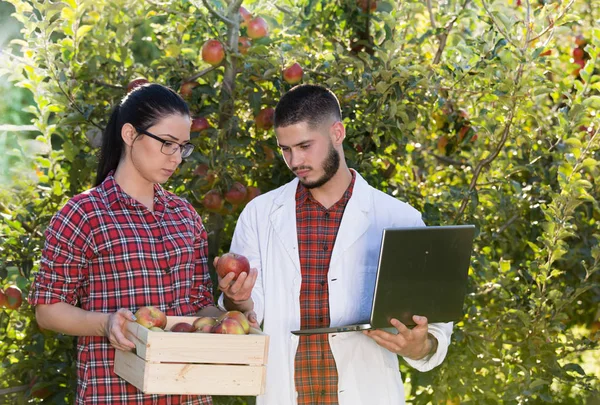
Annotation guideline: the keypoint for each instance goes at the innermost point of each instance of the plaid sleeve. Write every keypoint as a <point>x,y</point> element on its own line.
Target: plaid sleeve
<point>64,258</point>
<point>201,281</point>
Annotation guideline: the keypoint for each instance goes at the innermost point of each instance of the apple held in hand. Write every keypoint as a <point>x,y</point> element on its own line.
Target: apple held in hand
<point>151,316</point>
<point>204,324</point>
<point>232,263</point>
<point>14,297</point>
<point>183,327</point>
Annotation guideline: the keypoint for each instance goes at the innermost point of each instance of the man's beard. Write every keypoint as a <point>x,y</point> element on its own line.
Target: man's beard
<point>330,168</point>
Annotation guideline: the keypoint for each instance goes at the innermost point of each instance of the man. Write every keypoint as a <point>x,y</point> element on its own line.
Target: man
<point>314,245</point>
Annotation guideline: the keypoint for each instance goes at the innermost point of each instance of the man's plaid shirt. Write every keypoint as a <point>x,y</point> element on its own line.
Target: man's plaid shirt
<point>316,375</point>
<point>105,251</point>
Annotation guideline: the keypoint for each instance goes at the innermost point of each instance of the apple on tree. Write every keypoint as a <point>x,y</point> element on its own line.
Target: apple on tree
<point>150,316</point>
<point>243,45</point>
<point>2,299</point>
<point>213,201</point>
<point>264,119</point>
<point>14,297</point>
<point>245,16</point>
<point>257,28</point>
<point>236,194</point>
<point>199,124</point>
<point>136,83</point>
<point>213,52</point>
<point>251,193</point>
<point>293,74</point>
<point>232,263</point>
<point>186,89</point>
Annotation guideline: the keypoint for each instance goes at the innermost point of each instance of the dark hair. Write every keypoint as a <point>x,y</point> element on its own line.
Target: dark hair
<point>307,103</point>
<point>143,107</point>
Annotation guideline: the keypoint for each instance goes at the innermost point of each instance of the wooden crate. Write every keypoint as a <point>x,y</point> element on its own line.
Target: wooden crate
<point>194,363</point>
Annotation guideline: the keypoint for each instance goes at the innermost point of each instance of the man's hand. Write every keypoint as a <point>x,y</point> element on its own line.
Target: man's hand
<point>115,325</point>
<point>414,343</point>
<point>238,292</point>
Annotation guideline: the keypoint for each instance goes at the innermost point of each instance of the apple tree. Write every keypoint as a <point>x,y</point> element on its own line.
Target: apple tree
<point>473,111</point>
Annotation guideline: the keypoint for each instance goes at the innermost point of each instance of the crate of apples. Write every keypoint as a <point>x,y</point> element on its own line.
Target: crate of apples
<point>194,355</point>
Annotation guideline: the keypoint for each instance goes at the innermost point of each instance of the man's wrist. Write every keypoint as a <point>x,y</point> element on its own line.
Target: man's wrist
<point>433,344</point>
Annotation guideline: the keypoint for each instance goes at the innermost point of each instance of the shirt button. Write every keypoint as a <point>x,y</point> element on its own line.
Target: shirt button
<point>159,239</point>
<point>326,215</point>
<point>322,283</point>
<point>323,392</point>
<point>325,248</point>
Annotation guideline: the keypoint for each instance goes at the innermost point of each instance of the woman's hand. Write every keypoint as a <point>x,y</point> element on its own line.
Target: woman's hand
<point>115,325</point>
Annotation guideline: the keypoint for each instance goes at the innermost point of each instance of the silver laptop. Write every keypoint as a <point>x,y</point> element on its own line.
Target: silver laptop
<point>421,271</point>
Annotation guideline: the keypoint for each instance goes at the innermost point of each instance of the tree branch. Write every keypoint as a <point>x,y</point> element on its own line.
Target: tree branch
<point>431,16</point>
<point>444,36</point>
<point>495,24</point>
<point>200,74</point>
<point>552,25</point>
<point>13,390</point>
<point>217,14</point>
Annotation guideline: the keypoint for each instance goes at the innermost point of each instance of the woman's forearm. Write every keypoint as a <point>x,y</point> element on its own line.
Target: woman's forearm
<point>65,318</point>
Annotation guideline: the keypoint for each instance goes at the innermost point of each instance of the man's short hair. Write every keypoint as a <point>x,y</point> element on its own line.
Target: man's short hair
<point>307,103</point>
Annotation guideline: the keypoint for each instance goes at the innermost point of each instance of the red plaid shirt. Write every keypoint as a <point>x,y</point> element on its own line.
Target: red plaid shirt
<point>315,370</point>
<point>105,251</point>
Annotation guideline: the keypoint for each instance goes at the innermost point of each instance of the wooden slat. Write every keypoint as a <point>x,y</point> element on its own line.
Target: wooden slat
<point>131,368</point>
<point>190,379</point>
<point>198,347</point>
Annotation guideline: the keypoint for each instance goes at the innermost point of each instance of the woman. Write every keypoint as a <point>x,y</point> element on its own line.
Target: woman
<point>125,244</point>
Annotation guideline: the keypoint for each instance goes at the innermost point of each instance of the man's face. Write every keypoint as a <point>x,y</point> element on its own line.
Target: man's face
<point>309,153</point>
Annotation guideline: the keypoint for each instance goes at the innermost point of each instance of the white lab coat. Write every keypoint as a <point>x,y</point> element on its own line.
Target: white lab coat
<point>266,234</point>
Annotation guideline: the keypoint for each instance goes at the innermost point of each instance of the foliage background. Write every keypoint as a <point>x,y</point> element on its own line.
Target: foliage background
<point>469,110</point>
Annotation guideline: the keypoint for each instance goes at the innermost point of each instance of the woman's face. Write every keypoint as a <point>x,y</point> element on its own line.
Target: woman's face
<point>146,156</point>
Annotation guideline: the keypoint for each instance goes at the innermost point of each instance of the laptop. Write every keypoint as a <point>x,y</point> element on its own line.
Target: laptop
<point>421,271</point>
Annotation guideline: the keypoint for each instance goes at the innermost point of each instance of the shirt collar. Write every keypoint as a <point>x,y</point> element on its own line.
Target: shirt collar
<point>303,194</point>
<point>111,193</point>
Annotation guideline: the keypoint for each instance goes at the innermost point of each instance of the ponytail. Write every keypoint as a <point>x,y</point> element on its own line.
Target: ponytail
<point>112,147</point>
<point>143,107</point>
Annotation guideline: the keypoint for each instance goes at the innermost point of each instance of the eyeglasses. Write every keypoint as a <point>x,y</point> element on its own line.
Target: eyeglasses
<point>169,147</point>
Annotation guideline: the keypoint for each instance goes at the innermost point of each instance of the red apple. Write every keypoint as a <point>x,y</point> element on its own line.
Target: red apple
<point>240,317</point>
<point>229,326</point>
<point>182,327</point>
<point>293,74</point>
<point>232,263</point>
<point>577,53</point>
<point>365,5</point>
<point>14,297</point>
<point>464,130</point>
<point>136,83</point>
<point>150,316</point>
<point>244,44</point>
<point>257,28</point>
<point>213,52</point>
<point>441,144</point>
<point>245,16</point>
<point>236,194</point>
<point>39,390</point>
<point>199,124</point>
<point>264,119</point>
<point>201,170</point>
<point>2,299</point>
<point>156,329</point>
<point>213,201</point>
<point>186,89</point>
<point>252,193</point>
<point>204,324</point>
